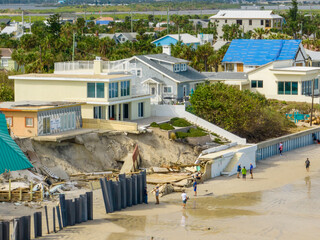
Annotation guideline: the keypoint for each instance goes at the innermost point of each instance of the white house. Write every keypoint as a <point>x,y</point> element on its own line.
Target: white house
<point>247,19</point>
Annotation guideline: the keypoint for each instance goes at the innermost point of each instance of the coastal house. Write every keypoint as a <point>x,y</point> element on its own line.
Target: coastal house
<point>166,78</point>
<point>38,118</point>
<point>104,21</point>
<point>200,23</point>
<point>244,55</point>
<point>105,89</point>
<point>314,58</point>
<point>185,38</point>
<point>7,62</point>
<point>247,19</point>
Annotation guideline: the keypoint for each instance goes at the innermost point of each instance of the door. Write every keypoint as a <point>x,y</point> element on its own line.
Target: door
<point>46,125</point>
<point>112,112</point>
<point>240,67</point>
<point>184,90</point>
<point>126,111</point>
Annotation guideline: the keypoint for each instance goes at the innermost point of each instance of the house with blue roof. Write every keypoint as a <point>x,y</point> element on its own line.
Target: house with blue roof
<point>245,55</point>
<point>172,39</point>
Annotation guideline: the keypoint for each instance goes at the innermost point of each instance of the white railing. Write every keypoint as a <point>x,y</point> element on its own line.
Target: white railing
<point>115,66</point>
<point>73,66</point>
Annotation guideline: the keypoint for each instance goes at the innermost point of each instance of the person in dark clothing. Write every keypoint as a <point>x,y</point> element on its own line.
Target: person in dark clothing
<point>238,170</point>
<point>145,195</point>
<point>307,162</point>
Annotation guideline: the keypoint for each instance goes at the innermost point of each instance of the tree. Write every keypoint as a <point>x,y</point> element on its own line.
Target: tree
<point>81,23</point>
<point>54,23</point>
<point>244,113</point>
<point>258,33</point>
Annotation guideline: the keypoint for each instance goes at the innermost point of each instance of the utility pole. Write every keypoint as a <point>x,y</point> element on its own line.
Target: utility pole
<point>311,115</point>
<point>73,46</point>
<point>168,20</point>
<point>131,22</point>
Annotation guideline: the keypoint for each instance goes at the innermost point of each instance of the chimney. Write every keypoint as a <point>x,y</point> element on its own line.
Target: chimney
<point>97,65</point>
<point>166,49</point>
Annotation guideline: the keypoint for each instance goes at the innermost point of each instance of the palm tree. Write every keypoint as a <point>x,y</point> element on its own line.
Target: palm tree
<point>258,33</point>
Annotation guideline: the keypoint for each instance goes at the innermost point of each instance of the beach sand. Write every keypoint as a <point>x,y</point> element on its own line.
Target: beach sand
<point>281,202</point>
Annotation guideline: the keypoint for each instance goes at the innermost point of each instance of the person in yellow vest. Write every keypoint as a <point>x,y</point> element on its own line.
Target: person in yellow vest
<point>244,173</point>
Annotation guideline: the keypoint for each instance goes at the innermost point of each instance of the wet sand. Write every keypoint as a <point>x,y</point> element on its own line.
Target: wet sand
<point>281,202</point>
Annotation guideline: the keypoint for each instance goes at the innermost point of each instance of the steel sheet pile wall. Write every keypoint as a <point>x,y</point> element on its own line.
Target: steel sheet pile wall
<point>124,193</point>
<point>290,142</point>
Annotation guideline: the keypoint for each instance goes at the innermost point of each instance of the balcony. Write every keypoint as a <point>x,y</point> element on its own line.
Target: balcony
<point>84,67</point>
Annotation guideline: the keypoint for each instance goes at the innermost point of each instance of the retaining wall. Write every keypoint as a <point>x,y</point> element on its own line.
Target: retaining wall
<point>110,125</point>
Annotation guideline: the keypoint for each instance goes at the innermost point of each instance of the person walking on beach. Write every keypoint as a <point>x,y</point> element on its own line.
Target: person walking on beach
<point>307,162</point>
<point>239,170</point>
<point>244,173</point>
<point>184,198</point>
<point>195,184</point>
<point>251,170</point>
<point>156,190</point>
<point>280,148</point>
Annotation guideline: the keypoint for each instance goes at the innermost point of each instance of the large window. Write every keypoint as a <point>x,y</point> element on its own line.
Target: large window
<point>99,112</point>
<point>268,23</point>
<point>46,125</point>
<point>288,88</point>
<point>307,87</point>
<point>4,62</point>
<point>125,88</point>
<point>256,84</point>
<point>167,89</point>
<point>183,67</point>
<point>250,22</point>
<point>262,23</point>
<point>95,90</point>
<point>140,109</point>
<point>113,90</point>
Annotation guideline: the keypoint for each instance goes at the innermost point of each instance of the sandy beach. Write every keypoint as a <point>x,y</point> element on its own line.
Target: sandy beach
<point>281,202</point>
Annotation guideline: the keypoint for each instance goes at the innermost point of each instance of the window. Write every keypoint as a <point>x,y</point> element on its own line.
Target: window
<point>29,122</point>
<point>153,91</point>
<point>99,112</point>
<point>140,109</point>
<point>167,89</point>
<point>46,125</point>
<point>230,67</point>
<point>113,90</point>
<point>307,87</point>
<point>95,90</point>
<point>261,22</point>
<point>253,83</point>
<point>288,88</point>
<point>9,121</point>
<point>139,73</point>
<point>250,22</point>
<point>4,62</point>
<point>177,67</point>
<point>225,21</point>
<point>183,67</point>
<point>268,23</point>
<point>239,22</point>
<point>125,88</point>
<point>260,84</point>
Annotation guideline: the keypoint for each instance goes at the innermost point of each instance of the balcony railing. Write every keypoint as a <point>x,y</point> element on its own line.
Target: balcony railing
<point>73,66</point>
<point>115,66</point>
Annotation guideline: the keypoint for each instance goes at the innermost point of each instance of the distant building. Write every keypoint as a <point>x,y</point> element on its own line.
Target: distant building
<point>205,38</point>
<point>247,19</point>
<point>185,38</point>
<point>314,57</point>
<point>244,55</point>
<point>7,62</point>
<point>104,20</point>
<point>203,23</point>
<point>37,118</point>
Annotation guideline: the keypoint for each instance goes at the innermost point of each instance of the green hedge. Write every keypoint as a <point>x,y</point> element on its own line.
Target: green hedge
<point>154,124</point>
<point>193,132</point>
<point>166,126</point>
<point>180,122</point>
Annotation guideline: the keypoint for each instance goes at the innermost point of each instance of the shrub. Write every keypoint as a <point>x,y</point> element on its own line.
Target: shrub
<point>193,132</point>
<point>166,126</point>
<point>179,122</point>
<point>181,134</point>
<point>173,136</point>
<point>154,124</point>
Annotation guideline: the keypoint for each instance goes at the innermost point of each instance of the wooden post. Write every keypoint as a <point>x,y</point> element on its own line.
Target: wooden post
<point>9,190</point>
<point>31,187</point>
<point>20,194</point>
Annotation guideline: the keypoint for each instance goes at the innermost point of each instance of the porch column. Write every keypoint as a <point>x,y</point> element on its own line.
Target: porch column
<point>117,112</point>
<point>121,114</point>
<point>107,112</point>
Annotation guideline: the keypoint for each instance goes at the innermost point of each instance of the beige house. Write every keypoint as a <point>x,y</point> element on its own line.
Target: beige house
<point>6,61</point>
<point>280,80</point>
<point>247,19</point>
<point>105,88</point>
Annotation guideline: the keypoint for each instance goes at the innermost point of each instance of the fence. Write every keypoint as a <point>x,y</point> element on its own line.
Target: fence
<point>73,66</point>
<point>290,142</point>
<point>72,212</point>
<point>124,193</point>
<point>110,125</point>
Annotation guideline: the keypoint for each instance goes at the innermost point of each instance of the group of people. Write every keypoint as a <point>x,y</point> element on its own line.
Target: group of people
<point>243,171</point>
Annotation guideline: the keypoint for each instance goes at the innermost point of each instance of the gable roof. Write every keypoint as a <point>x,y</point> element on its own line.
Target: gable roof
<point>184,37</point>
<point>166,58</point>
<point>245,14</point>
<point>257,52</point>
<point>226,75</point>
<point>314,55</point>
<point>191,75</point>
<point>11,156</point>
<point>5,52</point>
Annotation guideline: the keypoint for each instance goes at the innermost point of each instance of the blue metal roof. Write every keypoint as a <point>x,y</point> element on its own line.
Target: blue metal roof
<point>11,156</point>
<point>257,52</point>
